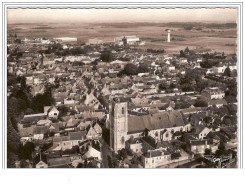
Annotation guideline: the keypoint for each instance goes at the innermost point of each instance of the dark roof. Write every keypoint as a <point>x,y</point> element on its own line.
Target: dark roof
<point>198,142</point>
<point>41,130</point>
<point>33,118</point>
<point>156,153</point>
<point>134,141</point>
<point>77,135</point>
<point>53,162</point>
<point>217,101</point>
<point>159,120</point>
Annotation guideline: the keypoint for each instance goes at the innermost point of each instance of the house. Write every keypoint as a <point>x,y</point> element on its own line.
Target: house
<point>40,132</point>
<point>72,124</point>
<point>202,132</point>
<point>217,102</point>
<point>53,112</point>
<point>92,153</point>
<point>41,164</point>
<point>198,146</point>
<point>33,118</point>
<point>156,158</point>
<point>219,69</point>
<point>61,162</point>
<point>135,145</point>
<point>94,131</point>
<point>213,93</point>
<point>56,128</point>
<point>67,142</point>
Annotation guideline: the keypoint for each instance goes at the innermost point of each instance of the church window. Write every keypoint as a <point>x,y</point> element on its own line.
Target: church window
<point>122,110</point>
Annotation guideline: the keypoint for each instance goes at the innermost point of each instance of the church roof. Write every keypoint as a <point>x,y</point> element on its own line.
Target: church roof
<point>155,121</point>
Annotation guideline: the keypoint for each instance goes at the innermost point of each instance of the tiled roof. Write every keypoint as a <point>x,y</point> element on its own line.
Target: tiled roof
<point>159,120</point>
<point>77,135</point>
<point>41,130</point>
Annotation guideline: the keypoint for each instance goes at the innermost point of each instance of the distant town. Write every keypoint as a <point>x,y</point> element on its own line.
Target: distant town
<point>119,104</point>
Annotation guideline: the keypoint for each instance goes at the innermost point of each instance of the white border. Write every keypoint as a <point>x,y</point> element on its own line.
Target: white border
<point>121,181</point>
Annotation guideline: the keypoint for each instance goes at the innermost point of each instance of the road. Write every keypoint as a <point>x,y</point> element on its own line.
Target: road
<point>105,151</point>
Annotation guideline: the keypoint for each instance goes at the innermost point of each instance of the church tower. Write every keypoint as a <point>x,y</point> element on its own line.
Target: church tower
<point>118,124</point>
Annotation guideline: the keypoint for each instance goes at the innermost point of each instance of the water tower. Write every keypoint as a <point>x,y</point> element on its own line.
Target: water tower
<point>169,31</point>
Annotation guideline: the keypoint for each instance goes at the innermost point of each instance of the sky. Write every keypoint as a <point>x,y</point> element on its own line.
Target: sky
<point>221,15</point>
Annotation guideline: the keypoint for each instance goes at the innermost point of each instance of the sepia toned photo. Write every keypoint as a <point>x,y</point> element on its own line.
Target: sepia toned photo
<point>122,87</point>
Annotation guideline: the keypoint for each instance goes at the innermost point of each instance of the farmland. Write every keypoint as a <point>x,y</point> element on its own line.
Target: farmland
<point>219,37</point>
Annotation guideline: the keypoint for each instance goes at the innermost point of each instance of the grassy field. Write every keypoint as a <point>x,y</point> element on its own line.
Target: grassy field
<point>155,34</point>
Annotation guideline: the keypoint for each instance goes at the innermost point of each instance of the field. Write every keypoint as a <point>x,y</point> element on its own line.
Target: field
<point>218,38</point>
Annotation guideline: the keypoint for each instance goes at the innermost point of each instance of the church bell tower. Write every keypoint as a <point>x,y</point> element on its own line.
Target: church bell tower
<point>118,124</point>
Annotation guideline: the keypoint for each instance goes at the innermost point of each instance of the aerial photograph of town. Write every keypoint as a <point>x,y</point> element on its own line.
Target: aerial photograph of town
<point>122,88</point>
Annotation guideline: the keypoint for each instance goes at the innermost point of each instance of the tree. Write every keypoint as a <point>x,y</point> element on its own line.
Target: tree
<point>182,54</point>
<point>207,119</point>
<point>129,69</point>
<point>227,121</point>
<point>143,68</point>
<point>206,64</point>
<point>187,50</point>
<point>26,150</point>
<point>227,72</point>
<point>182,105</point>
<point>234,73</point>
<point>232,109</point>
<point>122,153</point>
<point>146,133</point>
<point>109,161</point>
<point>175,155</point>
<point>41,100</point>
<point>189,27</point>
<point>106,56</point>
<point>201,103</point>
<point>80,165</point>
<point>207,151</point>
<point>13,140</point>
<point>172,85</point>
<point>163,86</point>
<point>29,111</point>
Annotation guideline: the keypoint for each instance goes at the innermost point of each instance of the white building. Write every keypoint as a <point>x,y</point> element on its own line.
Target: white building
<point>94,41</point>
<point>65,39</point>
<point>213,93</point>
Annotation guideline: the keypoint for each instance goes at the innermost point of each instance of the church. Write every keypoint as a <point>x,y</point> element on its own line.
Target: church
<point>161,126</point>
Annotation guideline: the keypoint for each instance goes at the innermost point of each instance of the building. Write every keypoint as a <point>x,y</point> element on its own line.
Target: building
<point>118,125</point>
<point>219,69</point>
<point>161,126</point>
<point>169,39</point>
<point>213,93</point>
<point>51,111</point>
<point>94,41</point>
<point>198,146</point>
<point>156,158</point>
<point>67,142</point>
<point>65,39</point>
<point>130,40</point>
<point>41,164</point>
